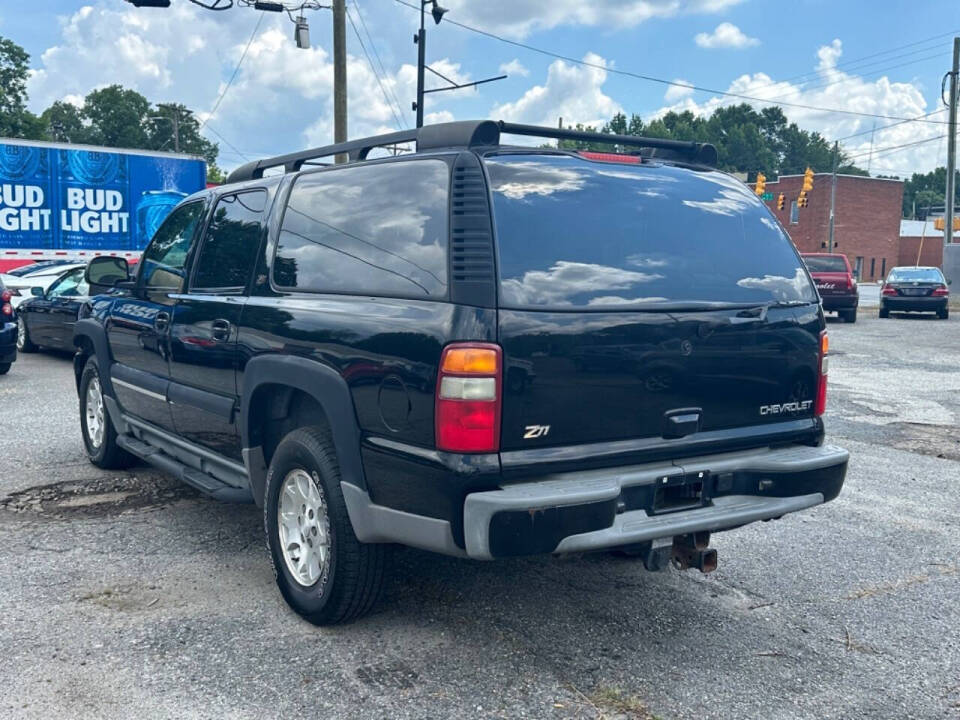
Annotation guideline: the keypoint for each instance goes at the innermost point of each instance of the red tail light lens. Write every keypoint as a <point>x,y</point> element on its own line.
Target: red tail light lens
<point>469,386</point>
<point>821,404</point>
<point>5,296</point>
<point>887,290</point>
<point>942,291</point>
<point>5,307</point>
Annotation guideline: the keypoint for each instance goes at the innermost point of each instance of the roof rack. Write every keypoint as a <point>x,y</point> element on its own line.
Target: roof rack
<point>472,134</point>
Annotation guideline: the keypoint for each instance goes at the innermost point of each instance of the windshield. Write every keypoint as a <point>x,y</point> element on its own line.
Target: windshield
<point>825,263</point>
<point>574,233</point>
<point>907,274</point>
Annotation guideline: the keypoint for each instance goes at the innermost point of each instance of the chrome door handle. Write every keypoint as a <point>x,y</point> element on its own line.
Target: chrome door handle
<point>162,321</point>
<point>221,330</point>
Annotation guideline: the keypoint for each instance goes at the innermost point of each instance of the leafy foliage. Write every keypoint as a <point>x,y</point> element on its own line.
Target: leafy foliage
<point>923,191</point>
<point>747,140</point>
<point>113,116</point>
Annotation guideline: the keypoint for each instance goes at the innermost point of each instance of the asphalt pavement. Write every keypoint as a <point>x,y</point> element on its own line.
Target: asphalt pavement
<point>128,595</point>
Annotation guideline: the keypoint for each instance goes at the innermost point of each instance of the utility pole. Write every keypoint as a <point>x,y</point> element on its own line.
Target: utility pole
<point>340,75</point>
<point>421,41</point>
<point>833,193</point>
<point>952,145</point>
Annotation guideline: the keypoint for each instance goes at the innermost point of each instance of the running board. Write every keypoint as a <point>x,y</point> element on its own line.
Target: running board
<point>207,484</point>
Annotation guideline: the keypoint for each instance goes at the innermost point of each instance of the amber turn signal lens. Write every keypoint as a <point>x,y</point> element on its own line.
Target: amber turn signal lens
<point>824,344</point>
<point>479,361</point>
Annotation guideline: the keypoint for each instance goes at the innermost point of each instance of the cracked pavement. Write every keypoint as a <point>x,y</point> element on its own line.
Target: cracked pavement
<point>127,594</point>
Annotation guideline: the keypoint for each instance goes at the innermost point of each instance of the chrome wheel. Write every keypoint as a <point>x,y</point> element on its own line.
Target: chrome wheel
<point>94,413</point>
<point>21,333</point>
<point>304,528</point>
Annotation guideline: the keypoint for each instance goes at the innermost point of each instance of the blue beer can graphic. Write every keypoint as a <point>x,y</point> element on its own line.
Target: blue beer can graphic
<point>152,210</point>
<point>94,212</point>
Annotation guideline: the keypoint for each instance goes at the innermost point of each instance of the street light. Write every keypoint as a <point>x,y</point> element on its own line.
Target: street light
<point>420,40</point>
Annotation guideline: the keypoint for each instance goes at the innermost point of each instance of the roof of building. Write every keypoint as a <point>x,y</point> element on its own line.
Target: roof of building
<point>915,228</point>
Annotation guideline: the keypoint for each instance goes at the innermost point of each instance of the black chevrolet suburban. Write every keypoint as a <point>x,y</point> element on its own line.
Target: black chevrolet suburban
<point>479,349</point>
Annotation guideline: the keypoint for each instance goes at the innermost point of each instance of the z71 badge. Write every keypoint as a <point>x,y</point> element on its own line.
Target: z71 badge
<point>535,431</point>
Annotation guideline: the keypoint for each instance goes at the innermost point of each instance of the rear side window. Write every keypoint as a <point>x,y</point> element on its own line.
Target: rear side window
<point>825,263</point>
<point>574,233</point>
<point>230,245</point>
<point>376,229</point>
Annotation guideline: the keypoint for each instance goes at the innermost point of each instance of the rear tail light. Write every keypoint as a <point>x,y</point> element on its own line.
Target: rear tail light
<point>887,290</point>
<point>942,291</point>
<point>821,404</point>
<point>850,283</point>
<point>5,307</point>
<point>469,387</point>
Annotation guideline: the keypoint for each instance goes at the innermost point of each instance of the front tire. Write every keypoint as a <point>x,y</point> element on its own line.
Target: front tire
<point>324,573</point>
<point>24,343</point>
<point>99,435</point>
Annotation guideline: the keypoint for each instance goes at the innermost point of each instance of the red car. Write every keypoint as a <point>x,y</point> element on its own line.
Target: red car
<point>835,283</point>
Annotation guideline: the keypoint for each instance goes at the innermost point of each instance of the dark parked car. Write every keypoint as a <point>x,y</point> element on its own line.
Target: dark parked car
<point>8,330</point>
<point>47,317</point>
<point>835,283</point>
<point>915,289</point>
<point>477,349</point>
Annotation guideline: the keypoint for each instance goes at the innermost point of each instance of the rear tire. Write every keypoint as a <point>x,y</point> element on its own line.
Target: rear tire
<point>850,316</point>
<point>24,343</point>
<point>943,314</point>
<point>884,313</point>
<point>324,573</point>
<point>5,368</point>
<point>99,435</point>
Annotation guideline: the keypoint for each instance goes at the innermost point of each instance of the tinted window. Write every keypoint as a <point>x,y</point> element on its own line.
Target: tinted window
<point>586,234</point>
<point>376,229</point>
<point>230,245</point>
<point>909,274</point>
<point>162,263</point>
<point>825,263</point>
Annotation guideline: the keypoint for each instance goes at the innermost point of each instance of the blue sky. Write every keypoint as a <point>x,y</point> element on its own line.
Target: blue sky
<point>872,57</point>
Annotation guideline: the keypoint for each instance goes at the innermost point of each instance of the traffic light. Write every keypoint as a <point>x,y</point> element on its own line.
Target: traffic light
<point>780,201</point>
<point>802,199</point>
<point>808,180</point>
<point>761,184</point>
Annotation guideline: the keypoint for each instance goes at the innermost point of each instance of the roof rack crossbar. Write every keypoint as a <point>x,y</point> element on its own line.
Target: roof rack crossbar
<point>697,152</point>
<point>291,162</point>
<point>469,134</point>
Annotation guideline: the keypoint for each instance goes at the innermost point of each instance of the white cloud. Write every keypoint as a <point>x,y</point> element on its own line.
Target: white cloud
<point>833,88</point>
<point>573,92</point>
<point>521,17</point>
<point>726,35</point>
<point>514,68</point>
<point>676,92</point>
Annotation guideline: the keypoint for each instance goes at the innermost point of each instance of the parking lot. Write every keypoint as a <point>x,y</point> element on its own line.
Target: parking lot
<point>128,594</point>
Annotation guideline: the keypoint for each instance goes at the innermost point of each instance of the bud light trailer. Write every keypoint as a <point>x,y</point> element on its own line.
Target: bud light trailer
<point>72,202</point>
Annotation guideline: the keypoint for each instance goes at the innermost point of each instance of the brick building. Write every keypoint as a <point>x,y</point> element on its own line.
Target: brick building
<point>867,223</point>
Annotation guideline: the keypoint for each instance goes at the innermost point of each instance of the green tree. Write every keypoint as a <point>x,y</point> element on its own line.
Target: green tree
<point>117,117</point>
<point>64,123</point>
<point>170,117</point>
<point>925,190</point>
<point>15,119</point>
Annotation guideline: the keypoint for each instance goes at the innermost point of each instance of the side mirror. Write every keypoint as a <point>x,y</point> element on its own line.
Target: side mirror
<point>36,291</point>
<point>106,271</point>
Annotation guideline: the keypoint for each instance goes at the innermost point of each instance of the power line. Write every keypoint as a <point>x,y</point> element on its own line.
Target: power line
<point>376,74</point>
<point>663,81</point>
<point>383,69</point>
<point>243,55</point>
<point>229,144</point>
<point>880,152</point>
<point>902,122</point>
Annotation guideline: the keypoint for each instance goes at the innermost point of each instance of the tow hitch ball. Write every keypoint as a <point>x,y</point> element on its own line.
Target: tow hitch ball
<point>692,551</point>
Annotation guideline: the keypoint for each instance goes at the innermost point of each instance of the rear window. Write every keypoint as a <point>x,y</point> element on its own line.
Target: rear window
<point>825,263</point>
<point>376,229</point>
<point>574,233</point>
<point>915,275</point>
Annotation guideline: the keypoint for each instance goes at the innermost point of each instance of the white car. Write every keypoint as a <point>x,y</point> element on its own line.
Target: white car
<point>42,274</point>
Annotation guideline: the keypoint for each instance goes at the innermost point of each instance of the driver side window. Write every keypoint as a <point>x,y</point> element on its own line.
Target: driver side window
<point>70,285</point>
<point>162,264</point>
